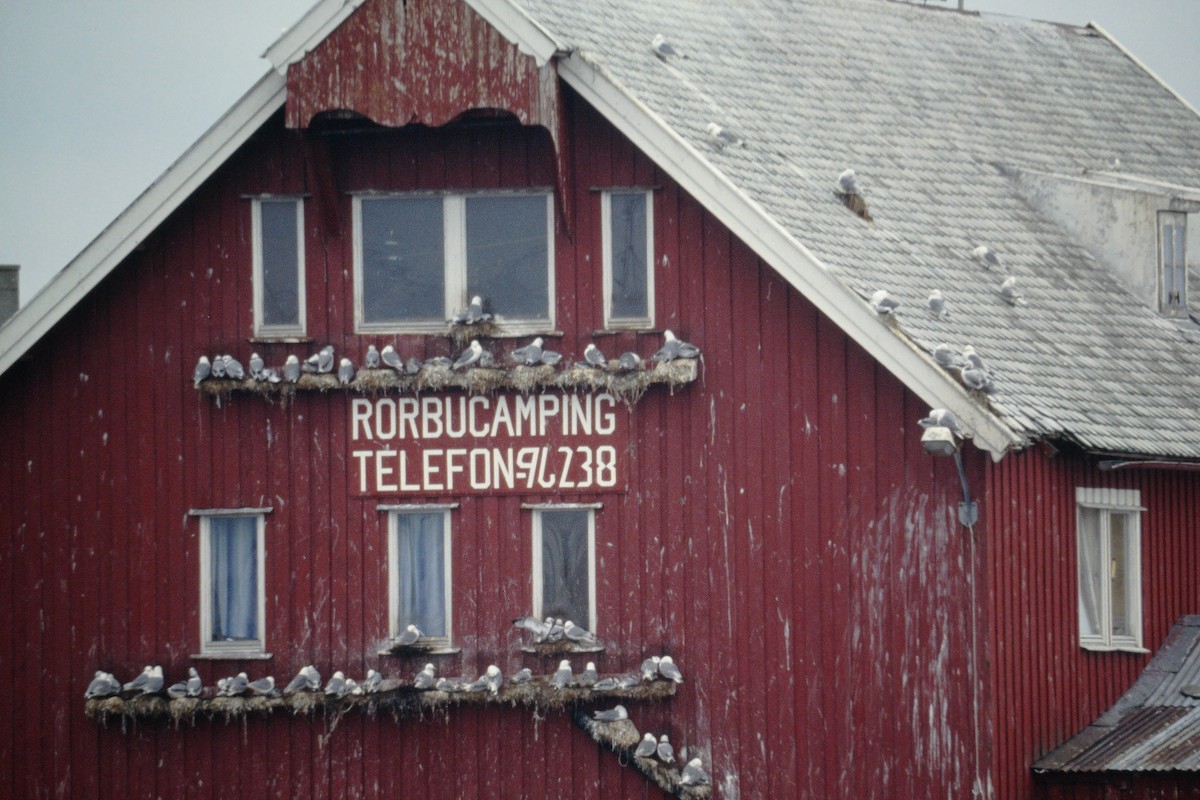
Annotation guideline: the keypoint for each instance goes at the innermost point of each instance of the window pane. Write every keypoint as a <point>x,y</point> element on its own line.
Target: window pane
<point>422,578</point>
<point>1119,575</point>
<point>234,547</point>
<point>1091,572</point>
<point>565,565</point>
<point>628,234</point>
<point>402,259</point>
<point>507,254</point>
<point>280,255</point>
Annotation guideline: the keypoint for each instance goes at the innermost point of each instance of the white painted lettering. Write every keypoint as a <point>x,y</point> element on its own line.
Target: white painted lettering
<point>477,474</point>
<point>382,471</point>
<point>479,429</point>
<point>461,416</point>
<point>385,418</point>
<point>431,417</point>
<point>362,456</point>
<point>451,467</point>
<point>408,417</point>
<point>606,421</point>
<point>360,414</point>
<point>430,469</point>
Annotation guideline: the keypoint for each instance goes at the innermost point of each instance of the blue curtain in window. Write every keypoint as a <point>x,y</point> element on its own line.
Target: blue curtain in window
<point>565,565</point>
<point>234,546</point>
<point>422,578</point>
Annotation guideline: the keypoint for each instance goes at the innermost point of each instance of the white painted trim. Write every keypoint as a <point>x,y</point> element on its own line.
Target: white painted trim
<point>277,331</point>
<point>537,575</point>
<point>394,512</point>
<point>516,25</point>
<point>140,219</point>
<point>242,648</point>
<point>308,32</point>
<point>637,323</point>
<point>1108,502</point>
<point>229,512</point>
<point>454,253</point>
<point>747,220</point>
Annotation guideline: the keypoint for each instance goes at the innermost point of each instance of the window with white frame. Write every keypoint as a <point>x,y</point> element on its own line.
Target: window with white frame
<point>278,224</point>
<point>1110,586</point>
<point>418,259</point>
<point>564,563</point>
<point>232,592</point>
<point>628,237</point>
<point>1172,261</point>
<point>419,571</point>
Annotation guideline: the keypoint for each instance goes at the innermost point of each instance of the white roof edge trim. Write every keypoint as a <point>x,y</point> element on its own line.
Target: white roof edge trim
<point>1112,40</point>
<point>515,24</point>
<point>140,219</point>
<point>308,31</point>
<point>775,245</point>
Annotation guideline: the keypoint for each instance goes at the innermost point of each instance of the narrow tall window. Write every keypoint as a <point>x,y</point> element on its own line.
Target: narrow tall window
<point>421,258</point>
<point>628,259</point>
<point>232,596</point>
<point>278,267</point>
<point>1110,604</point>
<point>1172,260</point>
<point>419,572</point>
<point>564,564</point>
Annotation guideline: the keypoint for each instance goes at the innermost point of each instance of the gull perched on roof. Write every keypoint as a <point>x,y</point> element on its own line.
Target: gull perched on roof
<point>947,357</point>
<point>883,304</point>
<point>723,137</point>
<point>937,304</point>
<point>986,256</point>
<point>978,379</point>
<point>847,182</point>
<point>1010,293</point>
<point>662,47</point>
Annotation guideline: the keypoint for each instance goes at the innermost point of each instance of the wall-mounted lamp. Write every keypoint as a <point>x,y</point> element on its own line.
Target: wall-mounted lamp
<point>940,441</point>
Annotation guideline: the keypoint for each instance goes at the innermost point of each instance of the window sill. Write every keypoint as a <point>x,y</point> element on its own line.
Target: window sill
<point>1112,648</point>
<point>421,650</point>
<point>559,648</point>
<point>266,338</point>
<point>232,655</point>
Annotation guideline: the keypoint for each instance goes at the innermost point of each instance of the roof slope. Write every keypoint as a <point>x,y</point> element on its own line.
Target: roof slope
<point>930,108</point>
<point>1154,726</point>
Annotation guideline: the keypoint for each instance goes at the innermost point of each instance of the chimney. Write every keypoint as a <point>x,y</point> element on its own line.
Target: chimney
<point>10,290</point>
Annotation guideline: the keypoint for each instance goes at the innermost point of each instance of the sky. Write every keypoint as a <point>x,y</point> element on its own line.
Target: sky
<point>99,97</point>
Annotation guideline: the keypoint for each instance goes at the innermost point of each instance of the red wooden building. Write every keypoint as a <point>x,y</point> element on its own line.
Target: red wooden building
<point>853,616</point>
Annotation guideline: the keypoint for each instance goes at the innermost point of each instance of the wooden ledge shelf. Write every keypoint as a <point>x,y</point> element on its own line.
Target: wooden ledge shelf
<point>628,386</point>
<point>622,738</point>
<point>401,700</point>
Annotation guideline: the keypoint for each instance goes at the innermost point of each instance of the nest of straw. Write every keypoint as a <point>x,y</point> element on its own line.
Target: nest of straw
<point>622,738</point>
<point>401,700</point>
<point>627,386</point>
<point>462,334</point>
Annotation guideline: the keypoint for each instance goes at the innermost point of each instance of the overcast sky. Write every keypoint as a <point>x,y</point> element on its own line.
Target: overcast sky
<point>99,97</point>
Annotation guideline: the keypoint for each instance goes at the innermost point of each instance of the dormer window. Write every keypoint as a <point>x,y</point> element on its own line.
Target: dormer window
<point>1172,262</point>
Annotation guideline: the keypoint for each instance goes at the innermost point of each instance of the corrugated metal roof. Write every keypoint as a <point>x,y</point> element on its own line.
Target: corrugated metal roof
<point>1155,726</point>
<point>936,112</point>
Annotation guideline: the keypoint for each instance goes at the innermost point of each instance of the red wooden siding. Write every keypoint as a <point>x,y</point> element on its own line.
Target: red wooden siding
<point>1046,688</point>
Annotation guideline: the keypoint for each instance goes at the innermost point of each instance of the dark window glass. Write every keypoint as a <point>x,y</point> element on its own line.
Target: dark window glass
<point>628,237</point>
<point>565,565</point>
<point>403,275</point>
<point>280,259</point>
<point>507,254</point>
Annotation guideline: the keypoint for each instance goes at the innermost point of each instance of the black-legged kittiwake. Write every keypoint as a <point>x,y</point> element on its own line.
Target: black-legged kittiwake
<point>371,361</point>
<point>667,668</point>
<point>470,356</point>
<point>937,304</point>
<point>202,371</point>
<point>562,676</point>
<point>614,714</point>
<point>941,418</point>
<point>883,303</point>
<point>426,678</point>
<point>528,355</point>
<point>647,747</point>
<point>847,182</point>
<point>665,752</point>
<point>693,774</point>
<point>986,256</point>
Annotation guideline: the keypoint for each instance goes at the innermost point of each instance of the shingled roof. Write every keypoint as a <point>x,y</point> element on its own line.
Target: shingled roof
<point>935,111</point>
<point>1155,726</point>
